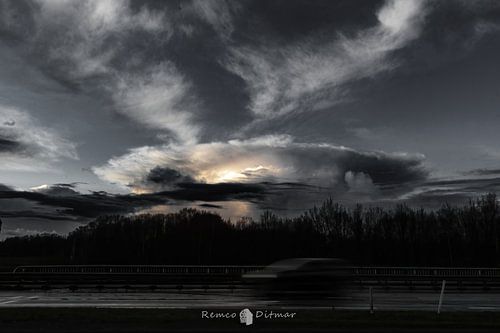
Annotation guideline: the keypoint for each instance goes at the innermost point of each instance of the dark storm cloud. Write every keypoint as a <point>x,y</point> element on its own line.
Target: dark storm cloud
<point>25,144</point>
<point>38,215</point>
<point>73,204</point>
<point>4,188</point>
<point>9,138</point>
<point>67,204</point>
<point>210,206</point>
<point>216,192</point>
<point>70,185</point>
<point>81,208</point>
<point>166,176</point>
<point>10,146</point>
<point>383,169</point>
<point>60,205</point>
<point>54,203</point>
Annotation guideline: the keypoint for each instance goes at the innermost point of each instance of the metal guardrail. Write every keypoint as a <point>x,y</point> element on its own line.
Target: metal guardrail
<point>367,272</point>
<point>137,269</point>
<point>427,272</point>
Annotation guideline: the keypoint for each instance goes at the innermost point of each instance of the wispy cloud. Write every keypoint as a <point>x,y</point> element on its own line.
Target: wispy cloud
<point>219,14</point>
<point>158,98</point>
<point>434,193</point>
<point>312,73</point>
<point>94,32</point>
<point>26,145</point>
<point>88,45</point>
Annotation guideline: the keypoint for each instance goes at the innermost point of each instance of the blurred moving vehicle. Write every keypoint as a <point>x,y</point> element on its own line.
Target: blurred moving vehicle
<point>309,277</point>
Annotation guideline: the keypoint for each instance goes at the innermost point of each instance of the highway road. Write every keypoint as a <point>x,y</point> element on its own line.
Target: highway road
<point>196,299</point>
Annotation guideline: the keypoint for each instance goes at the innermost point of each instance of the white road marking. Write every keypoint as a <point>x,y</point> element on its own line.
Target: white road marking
<point>12,299</point>
<point>354,308</point>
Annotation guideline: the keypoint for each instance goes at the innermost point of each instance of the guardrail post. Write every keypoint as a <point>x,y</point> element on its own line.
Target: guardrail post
<point>371,300</point>
<point>441,297</point>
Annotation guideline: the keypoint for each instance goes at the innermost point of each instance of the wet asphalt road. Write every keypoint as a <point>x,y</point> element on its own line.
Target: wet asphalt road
<point>195,299</point>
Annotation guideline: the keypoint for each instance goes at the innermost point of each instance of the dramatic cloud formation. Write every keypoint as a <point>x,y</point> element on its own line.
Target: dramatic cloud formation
<point>273,159</point>
<point>130,106</point>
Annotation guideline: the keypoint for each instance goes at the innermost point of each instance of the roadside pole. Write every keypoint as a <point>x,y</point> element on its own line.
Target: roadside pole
<point>441,297</point>
<point>371,300</point>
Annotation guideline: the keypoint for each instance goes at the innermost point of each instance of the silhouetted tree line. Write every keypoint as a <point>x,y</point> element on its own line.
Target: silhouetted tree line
<point>449,236</point>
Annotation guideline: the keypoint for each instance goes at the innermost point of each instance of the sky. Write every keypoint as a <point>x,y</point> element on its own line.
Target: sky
<point>237,107</point>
